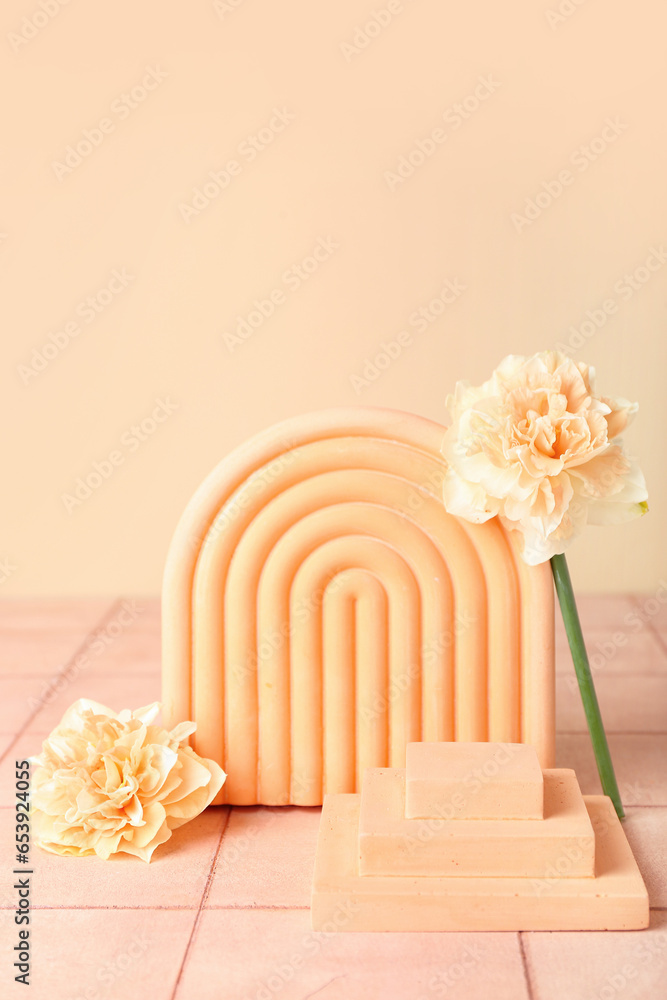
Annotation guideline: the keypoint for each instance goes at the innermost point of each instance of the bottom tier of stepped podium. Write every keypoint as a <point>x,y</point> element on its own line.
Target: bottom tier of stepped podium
<point>366,880</point>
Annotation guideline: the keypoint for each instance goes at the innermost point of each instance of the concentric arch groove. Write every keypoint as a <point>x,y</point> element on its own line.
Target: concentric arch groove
<point>397,454</point>
<point>365,695</point>
<point>341,717</point>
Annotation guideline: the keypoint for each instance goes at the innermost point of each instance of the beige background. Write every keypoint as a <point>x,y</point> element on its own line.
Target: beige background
<point>350,106</point>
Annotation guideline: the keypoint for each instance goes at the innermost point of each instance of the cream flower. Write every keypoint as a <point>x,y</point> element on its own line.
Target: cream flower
<point>110,782</point>
<point>535,446</point>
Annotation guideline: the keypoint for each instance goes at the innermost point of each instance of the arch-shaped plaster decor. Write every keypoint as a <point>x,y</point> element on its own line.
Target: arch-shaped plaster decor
<point>321,609</point>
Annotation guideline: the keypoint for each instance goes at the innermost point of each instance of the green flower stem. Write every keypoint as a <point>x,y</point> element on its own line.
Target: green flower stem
<point>582,668</point>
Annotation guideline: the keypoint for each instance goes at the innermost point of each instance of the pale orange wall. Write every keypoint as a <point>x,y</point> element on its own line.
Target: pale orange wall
<point>502,97</point>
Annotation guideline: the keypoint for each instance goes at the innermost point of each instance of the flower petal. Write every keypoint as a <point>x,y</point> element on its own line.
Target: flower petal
<point>468,500</point>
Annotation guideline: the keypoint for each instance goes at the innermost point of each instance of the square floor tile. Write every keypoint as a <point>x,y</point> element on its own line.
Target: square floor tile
<point>103,954</point>
<point>274,953</point>
<point>639,763</point>
<point>25,746</point>
<point>601,611</point>
<point>47,614</point>
<point>148,620</point>
<point>44,653</point>
<point>116,691</point>
<point>19,698</point>
<point>646,830</point>
<point>135,651</point>
<point>267,857</point>
<point>628,965</point>
<point>627,704</point>
<point>617,652</point>
<point>651,607</point>
<point>176,877</point>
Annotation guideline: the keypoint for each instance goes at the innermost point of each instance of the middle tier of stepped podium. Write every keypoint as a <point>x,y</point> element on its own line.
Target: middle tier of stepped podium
<point>390,844</point>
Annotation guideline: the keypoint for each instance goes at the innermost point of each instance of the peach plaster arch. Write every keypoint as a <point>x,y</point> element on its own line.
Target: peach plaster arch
<point>317,546</point>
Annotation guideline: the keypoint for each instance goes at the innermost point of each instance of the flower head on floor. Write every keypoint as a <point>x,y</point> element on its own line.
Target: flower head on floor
<point>107,782</point>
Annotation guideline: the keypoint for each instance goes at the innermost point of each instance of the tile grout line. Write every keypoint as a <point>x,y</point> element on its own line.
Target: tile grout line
<point>637,805</point>
<point>98,673</point>
<point>658,636</point>
<point>613,732</point>
<point>184,908</point>
<point>526,968</point>
<point>175,906</point>
<point>202,901</point>
<point>624,675</point>
<point>53,678</point>
<point>109,908</point>
<point>260,906</point>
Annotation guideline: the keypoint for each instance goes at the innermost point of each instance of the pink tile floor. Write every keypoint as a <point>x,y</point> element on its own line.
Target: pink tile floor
<point>222,911</point>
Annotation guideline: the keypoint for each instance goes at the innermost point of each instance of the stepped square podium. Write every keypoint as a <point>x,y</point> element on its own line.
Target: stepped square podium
<point>473,836</point>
